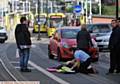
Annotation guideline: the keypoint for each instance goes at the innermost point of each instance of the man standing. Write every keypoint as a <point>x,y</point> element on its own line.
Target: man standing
<point>114,45</point>
<point>84,39</point>
<point>23,41</point>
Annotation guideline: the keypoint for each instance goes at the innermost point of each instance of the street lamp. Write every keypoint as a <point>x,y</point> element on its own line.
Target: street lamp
<point>39,20</point>
<point>117,9</point>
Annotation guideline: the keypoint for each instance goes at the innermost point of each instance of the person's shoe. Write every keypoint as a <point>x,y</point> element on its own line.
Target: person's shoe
<point>22,70</point>
<point>25,70</point>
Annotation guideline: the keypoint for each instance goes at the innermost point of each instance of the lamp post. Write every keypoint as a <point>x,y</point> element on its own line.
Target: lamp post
<point>47,7</point>
<point>117,9</point>
<point>39,37</point>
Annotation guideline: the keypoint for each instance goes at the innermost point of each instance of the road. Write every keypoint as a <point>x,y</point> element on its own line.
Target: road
<point>39,61</point>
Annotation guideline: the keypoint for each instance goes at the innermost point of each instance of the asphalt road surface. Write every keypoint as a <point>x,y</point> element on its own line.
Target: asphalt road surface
<point>39,61</point>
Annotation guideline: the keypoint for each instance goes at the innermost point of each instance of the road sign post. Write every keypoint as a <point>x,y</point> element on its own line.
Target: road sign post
<point>39,20</point>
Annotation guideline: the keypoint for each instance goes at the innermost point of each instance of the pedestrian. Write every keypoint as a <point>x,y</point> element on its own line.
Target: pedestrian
<point>81,62</point>
<point>114,46</point>
<point>84,41</point>
<point>23,41</point>
<point>77,22</point>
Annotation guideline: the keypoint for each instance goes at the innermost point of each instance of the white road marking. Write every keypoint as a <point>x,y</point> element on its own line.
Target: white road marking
<point>52,76</point>
<point>8,71</point>
<point>14,62</point>
<point>17,67</point>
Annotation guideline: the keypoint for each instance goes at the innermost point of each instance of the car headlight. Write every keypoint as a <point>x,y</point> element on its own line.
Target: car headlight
<point>106,40</point>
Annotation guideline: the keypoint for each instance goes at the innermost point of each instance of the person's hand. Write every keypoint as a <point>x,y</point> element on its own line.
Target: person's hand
<point>71,68</point>
<point>68,62</point>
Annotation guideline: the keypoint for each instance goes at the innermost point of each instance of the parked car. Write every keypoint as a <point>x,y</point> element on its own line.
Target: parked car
<point>63,44</point>
<point>3,34</point>
<point>103,41</point>
<point>99,29</point>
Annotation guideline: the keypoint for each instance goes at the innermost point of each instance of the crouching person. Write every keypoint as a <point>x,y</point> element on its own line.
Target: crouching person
<point>81,62</point>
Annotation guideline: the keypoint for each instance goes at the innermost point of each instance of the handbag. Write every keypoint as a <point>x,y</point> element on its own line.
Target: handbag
<point>17,53</point>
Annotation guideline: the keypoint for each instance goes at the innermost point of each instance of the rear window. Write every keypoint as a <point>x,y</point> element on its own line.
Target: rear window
<point>69,33</point>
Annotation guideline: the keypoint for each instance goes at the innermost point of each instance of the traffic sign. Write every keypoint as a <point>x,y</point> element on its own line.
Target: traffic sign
<point>77,8</point>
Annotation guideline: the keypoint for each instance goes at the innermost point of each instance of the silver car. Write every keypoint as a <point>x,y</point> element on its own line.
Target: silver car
<point>103,41</point>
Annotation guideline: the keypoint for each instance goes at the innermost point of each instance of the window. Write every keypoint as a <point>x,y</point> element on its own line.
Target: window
<point>69,33</point>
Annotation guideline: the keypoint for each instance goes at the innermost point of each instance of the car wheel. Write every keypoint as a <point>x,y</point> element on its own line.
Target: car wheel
<point>49,53</point>
<point>59,55</point>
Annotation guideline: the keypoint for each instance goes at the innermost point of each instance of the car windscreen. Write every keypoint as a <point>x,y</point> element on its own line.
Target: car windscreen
<point>69,33</point>
<point>99,28</point>
<point>42,20</point>
<point>56,22</point>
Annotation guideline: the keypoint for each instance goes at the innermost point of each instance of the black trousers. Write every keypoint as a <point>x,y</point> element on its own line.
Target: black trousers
<point>84,66</point>
<point>114,60</point>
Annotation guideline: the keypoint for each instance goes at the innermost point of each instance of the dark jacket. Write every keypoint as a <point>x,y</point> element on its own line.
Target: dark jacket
<point>22,35</point>
<point>114,41</point>
<point>83,40</point>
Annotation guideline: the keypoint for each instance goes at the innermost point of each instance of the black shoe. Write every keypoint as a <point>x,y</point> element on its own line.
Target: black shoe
<point>25,70</point>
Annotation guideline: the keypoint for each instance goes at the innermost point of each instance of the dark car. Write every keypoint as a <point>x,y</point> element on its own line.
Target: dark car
<point>3,34</point>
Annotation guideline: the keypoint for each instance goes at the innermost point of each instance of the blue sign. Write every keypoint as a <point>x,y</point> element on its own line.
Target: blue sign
<point>77,8</point>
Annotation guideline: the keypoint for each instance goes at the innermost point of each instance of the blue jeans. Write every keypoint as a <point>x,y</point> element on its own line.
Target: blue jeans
<point>24,57</point>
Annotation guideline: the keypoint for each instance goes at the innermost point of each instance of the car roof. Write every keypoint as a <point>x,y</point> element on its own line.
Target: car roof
<point>69,27</point>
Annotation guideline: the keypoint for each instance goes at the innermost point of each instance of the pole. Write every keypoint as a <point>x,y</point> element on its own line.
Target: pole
<point>41,6</point>
<point>2,13</point>
<point>29,7</point>
<point>36,6</point>
<point>90,14</point>
<point>86,10</point>
<point>38,20</point>
<point>47,12</point>
<point>117,9</point>
<point>100,13</point>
